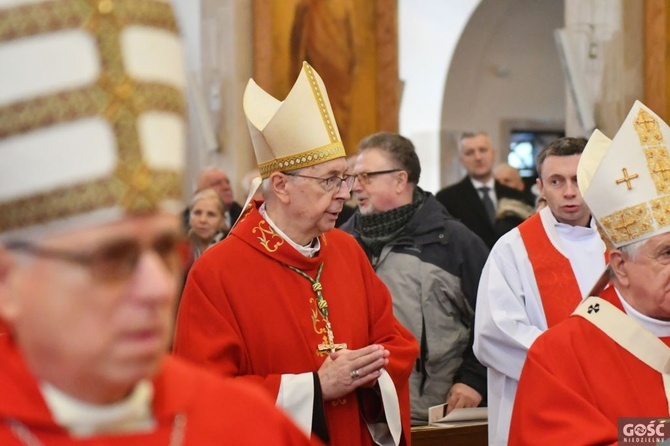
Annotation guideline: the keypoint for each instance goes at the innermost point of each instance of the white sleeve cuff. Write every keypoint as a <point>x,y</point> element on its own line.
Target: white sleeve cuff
<point>296,398</point>
<point>388,433</point>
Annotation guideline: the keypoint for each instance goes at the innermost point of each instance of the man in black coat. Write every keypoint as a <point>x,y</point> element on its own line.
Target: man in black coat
<point>484,205</point>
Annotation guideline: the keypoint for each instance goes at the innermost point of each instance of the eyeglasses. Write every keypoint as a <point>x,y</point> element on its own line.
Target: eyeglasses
<point>110,262</point>
<point>330,184</point>
<point>365,177</point>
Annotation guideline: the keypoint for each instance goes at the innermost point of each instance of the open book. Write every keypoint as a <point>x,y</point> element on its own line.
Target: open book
<point>475,415</point>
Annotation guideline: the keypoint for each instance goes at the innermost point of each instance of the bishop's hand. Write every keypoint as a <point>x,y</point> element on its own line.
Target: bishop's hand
<point>346,370</point>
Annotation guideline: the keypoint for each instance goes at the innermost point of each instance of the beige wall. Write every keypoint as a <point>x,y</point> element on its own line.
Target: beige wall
<point>505,69</point>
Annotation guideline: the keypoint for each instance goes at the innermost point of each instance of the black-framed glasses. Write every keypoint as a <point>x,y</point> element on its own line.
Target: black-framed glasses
<point>365,177</point>
<point>113,261</point>
<point>329,184</point>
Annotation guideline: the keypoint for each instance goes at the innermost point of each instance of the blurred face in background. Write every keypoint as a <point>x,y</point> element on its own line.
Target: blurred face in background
<point>206,218</point>
<point>477,156</point>
<point>96,327</point>
<point>509,176</point>
<point>218,180</point>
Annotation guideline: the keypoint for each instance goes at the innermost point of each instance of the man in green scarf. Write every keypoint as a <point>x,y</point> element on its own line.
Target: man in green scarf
<point>430,262</point>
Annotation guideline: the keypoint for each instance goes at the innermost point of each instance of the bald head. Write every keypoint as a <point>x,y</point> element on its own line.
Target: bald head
<point>217,179</point>
<point>509,176</point>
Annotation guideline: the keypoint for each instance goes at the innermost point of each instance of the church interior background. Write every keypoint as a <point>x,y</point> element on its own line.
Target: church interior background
<point>429,70</point>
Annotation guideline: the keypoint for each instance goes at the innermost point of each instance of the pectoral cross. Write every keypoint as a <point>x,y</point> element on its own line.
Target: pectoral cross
<point>330,346</point>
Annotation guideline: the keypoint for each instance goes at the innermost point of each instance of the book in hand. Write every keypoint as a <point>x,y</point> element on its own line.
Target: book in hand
<point>475,415</point>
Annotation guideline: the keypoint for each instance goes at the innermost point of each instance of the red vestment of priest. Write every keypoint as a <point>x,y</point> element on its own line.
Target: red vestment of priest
<point>189,405</point>
<point>245,314</point>
<point>577,382</point>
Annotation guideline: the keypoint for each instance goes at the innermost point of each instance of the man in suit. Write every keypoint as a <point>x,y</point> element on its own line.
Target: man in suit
<point>485,206</point>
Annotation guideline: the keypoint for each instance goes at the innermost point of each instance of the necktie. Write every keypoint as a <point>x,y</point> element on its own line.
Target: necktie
<point>488,203</point>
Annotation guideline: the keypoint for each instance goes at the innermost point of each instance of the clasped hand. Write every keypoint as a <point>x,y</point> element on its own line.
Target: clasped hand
<point>346,370</point>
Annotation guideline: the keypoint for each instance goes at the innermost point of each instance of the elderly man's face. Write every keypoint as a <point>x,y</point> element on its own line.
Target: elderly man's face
<point>645,279</point>
<point>219,181</point>
<point>508,176</point>
<point>477,156</point>
<point>86,332</point>
<point>314,210</point>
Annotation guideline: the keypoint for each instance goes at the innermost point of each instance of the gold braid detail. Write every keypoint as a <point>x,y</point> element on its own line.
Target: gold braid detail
<point>114,96</point>
<point>42,18</point>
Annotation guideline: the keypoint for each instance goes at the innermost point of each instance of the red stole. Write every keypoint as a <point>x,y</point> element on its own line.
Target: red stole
<point>555,279</point>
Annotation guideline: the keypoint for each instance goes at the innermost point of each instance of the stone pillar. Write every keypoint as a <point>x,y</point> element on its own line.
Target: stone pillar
<point>608,38</point>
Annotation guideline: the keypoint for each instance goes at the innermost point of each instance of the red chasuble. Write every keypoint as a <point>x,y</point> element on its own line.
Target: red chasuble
<point>201,408</point>
<point>577,382</point>
<point>245,314</point>
<point>555,279</point>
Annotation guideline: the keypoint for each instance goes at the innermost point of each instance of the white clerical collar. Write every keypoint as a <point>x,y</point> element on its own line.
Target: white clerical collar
<point>478,184</point>
<point>658,327</point>
<point>573,232</point>
<point>81,419</point>
<point>307,251</point>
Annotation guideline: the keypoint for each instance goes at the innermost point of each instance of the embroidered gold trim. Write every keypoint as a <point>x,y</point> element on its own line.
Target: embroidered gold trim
<point>316,319</point>
<point>245,212</point>
<point>647,129</point>
<point>658,162</point>
<point>78,104</point>
<point>655,150</point>
<point>629,224</point>
<point>323,107</point>
<point>64,202</point>
<point>304,159</point>
<point>114,96</point>
<point>660,208</point>
<point>42,18</point>
<point>269,239</point>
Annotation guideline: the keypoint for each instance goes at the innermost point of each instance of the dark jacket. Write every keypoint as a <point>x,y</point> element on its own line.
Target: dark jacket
<point>432,270</point>
<point>463,201</point>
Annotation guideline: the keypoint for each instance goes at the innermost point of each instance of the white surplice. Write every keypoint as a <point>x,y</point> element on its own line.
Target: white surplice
<point>509,314</point>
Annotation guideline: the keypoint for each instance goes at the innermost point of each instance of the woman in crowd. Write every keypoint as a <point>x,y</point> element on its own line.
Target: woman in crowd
<point>206,221</point>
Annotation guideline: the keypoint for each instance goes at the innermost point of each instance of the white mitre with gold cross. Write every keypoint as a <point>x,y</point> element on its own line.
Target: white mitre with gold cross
<point>626,182</point>
<point>91,112</point>
<point>299,131</point>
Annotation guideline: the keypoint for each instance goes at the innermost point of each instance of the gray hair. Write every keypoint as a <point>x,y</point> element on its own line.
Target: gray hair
<point>632,251</point>
<point>207,193</point>
<point>468,135</point>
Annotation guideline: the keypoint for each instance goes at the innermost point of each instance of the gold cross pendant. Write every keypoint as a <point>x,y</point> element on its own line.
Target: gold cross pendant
<point>330,346</point>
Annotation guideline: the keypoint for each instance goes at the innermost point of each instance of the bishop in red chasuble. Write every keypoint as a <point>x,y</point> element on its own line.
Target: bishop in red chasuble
<point>288,302</point>
<point>609,361</point>
<point>245,313</point>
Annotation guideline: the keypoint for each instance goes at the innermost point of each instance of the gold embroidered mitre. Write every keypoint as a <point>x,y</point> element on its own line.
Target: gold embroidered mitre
<point>626,181</point>
<point>91,112</point>
<point>298,132</point>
